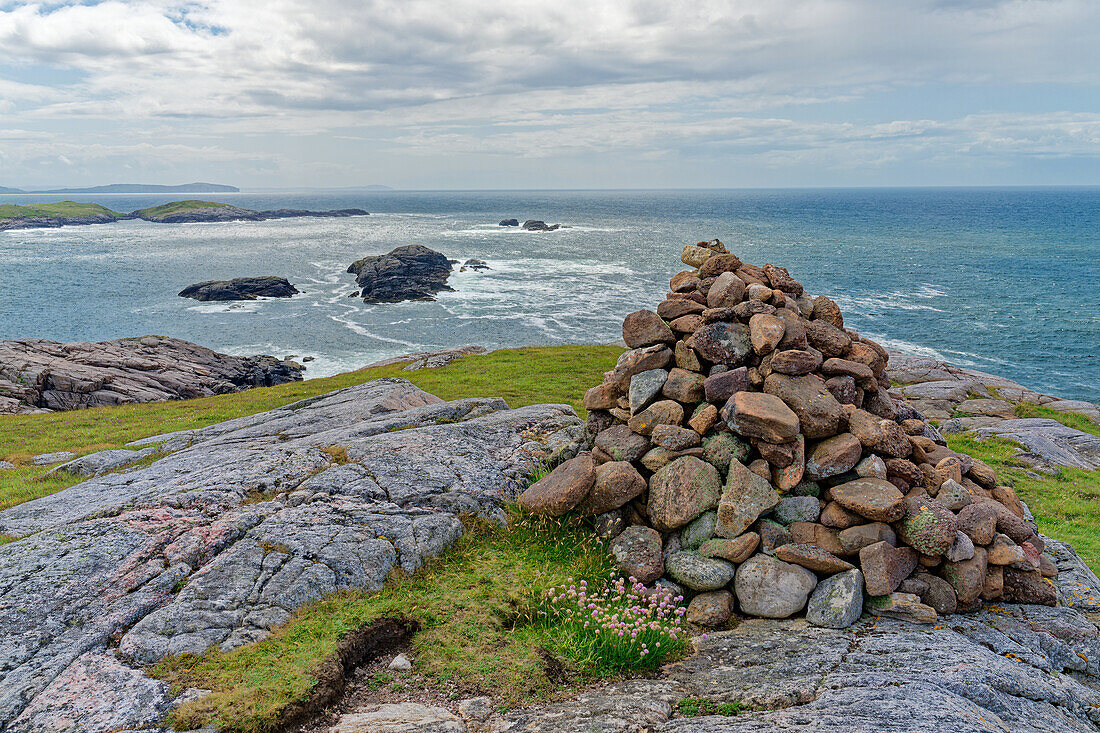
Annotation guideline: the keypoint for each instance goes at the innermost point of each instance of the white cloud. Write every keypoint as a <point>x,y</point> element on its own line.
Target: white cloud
<point>652,78</point>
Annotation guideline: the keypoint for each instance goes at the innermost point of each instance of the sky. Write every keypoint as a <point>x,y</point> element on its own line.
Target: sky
<point>515,94</point>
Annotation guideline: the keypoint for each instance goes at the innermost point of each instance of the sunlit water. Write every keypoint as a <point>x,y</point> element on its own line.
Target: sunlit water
<point>1002,280</point>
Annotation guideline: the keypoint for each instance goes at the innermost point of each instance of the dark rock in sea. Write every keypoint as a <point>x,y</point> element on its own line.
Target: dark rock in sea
<point>509,223</point>
<point>37,375</point>
<point>475,265</point>
<point>240,288</point>
<point>353,294</point>
<point>534,225</point>
<point>299,213</point>
<point>234,213</point>
<point>412,272</point>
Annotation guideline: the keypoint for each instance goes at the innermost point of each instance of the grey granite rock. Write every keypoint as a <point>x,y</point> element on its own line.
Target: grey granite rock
<point>1016,669</point>
<point>37,375</point>
<point>49,459</point>
<point>1049,441</point>
<point>7,466</point>
<point>837,601</point>
<point>94,464</point>
<point>244,522</point>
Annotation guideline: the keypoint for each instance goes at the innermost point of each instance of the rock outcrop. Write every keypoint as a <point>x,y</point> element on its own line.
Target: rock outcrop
<point>53,222</point>
<point>241,288</point>
<point>169,214</point>
<point>412,272</point>
<point>236,527</point>
<point>760,424</point>
<point>38,375</point>
<point>537,225</point>
<point>235,213</point>
<point>1013,669</point>
<point>967,399</point>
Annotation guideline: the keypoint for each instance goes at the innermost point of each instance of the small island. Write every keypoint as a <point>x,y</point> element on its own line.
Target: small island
<point>70,213</point>
<point>241,288</point>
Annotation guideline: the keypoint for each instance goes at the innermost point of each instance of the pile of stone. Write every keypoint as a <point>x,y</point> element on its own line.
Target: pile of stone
<point>747,453</point>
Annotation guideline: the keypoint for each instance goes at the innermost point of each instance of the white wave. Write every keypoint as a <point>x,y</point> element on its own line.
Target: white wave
<point>359,329</point>
<point>236,306</point>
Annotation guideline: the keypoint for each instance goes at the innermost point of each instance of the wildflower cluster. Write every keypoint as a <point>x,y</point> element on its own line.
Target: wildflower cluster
<point>621,626</point>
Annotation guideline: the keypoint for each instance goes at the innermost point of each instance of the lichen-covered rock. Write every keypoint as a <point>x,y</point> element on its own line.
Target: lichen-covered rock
<point>712,608</point>
<point>928,526</point>
<point>878,500</point>
<point>681,491</point>
<point>744,498</point>
<point>214,544</point>
<point>638,553</point>
<point>837,601</point>
<point>772,588</point>
<point>697,572</point>
<point>561,489</point>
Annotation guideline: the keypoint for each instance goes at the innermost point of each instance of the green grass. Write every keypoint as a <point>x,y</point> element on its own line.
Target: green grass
<point>59,208</point>
<point>481,630</point>
<point>1066,505</point>
<point>521,376</point>
<point>692,707</point>
<point>1070,419</point>
<point>175,207</point>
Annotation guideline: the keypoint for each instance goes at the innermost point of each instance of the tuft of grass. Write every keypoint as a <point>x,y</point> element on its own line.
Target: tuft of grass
<point>1066,505</point>
<point>1070,419</point>
<point>6,538</point>
<point>693,707</point>
<point>478,607</point>
<point>338,453</point>
<point>524,376</point>
<point>58,208</point>
<point>615,625</point>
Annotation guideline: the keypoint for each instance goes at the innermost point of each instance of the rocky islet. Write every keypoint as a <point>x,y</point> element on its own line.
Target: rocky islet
<point>240,288</point>
<point>744,398</point>
<point>411,272</point>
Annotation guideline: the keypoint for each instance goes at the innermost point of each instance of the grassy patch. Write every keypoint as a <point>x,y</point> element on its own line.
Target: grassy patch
<point>1066,505</point>
<point>478,607</point>
<point>1070,419</point>
<point>521,376</point>
<point>692,707</point>
<point>59,208</point>
<point>176,207</point>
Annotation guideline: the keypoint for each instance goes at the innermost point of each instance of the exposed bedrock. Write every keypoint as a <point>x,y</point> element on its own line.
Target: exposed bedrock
<point>38,375</point>
<point>1012,669</point>
<point>239,525</point>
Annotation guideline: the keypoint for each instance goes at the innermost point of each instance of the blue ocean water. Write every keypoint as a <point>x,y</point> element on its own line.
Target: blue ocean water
<point>1004,280</point>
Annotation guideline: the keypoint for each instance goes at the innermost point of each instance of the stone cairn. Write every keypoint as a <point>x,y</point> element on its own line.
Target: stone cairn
<point>746,450</point>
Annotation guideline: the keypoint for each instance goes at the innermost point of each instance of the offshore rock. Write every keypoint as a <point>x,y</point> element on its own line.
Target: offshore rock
<point>37,375</point>
<point>412,272</point>
<point>239,525</point>
<point>241,288</point>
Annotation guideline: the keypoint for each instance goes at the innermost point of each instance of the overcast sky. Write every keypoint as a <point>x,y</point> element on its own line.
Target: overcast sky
<point>551,94</point>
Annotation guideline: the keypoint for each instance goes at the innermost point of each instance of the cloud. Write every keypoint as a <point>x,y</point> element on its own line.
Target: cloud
<point>787,81</point>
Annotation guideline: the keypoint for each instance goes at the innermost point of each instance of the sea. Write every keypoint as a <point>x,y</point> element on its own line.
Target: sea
<point>1006,280</point>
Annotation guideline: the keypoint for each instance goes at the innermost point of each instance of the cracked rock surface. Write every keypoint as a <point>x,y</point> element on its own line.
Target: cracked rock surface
<point>1007,668</point>
<point>238,525</point>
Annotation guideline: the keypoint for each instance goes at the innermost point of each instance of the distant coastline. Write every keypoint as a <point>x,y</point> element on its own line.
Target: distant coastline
<point>73,213</point>
<point>197,187</point>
